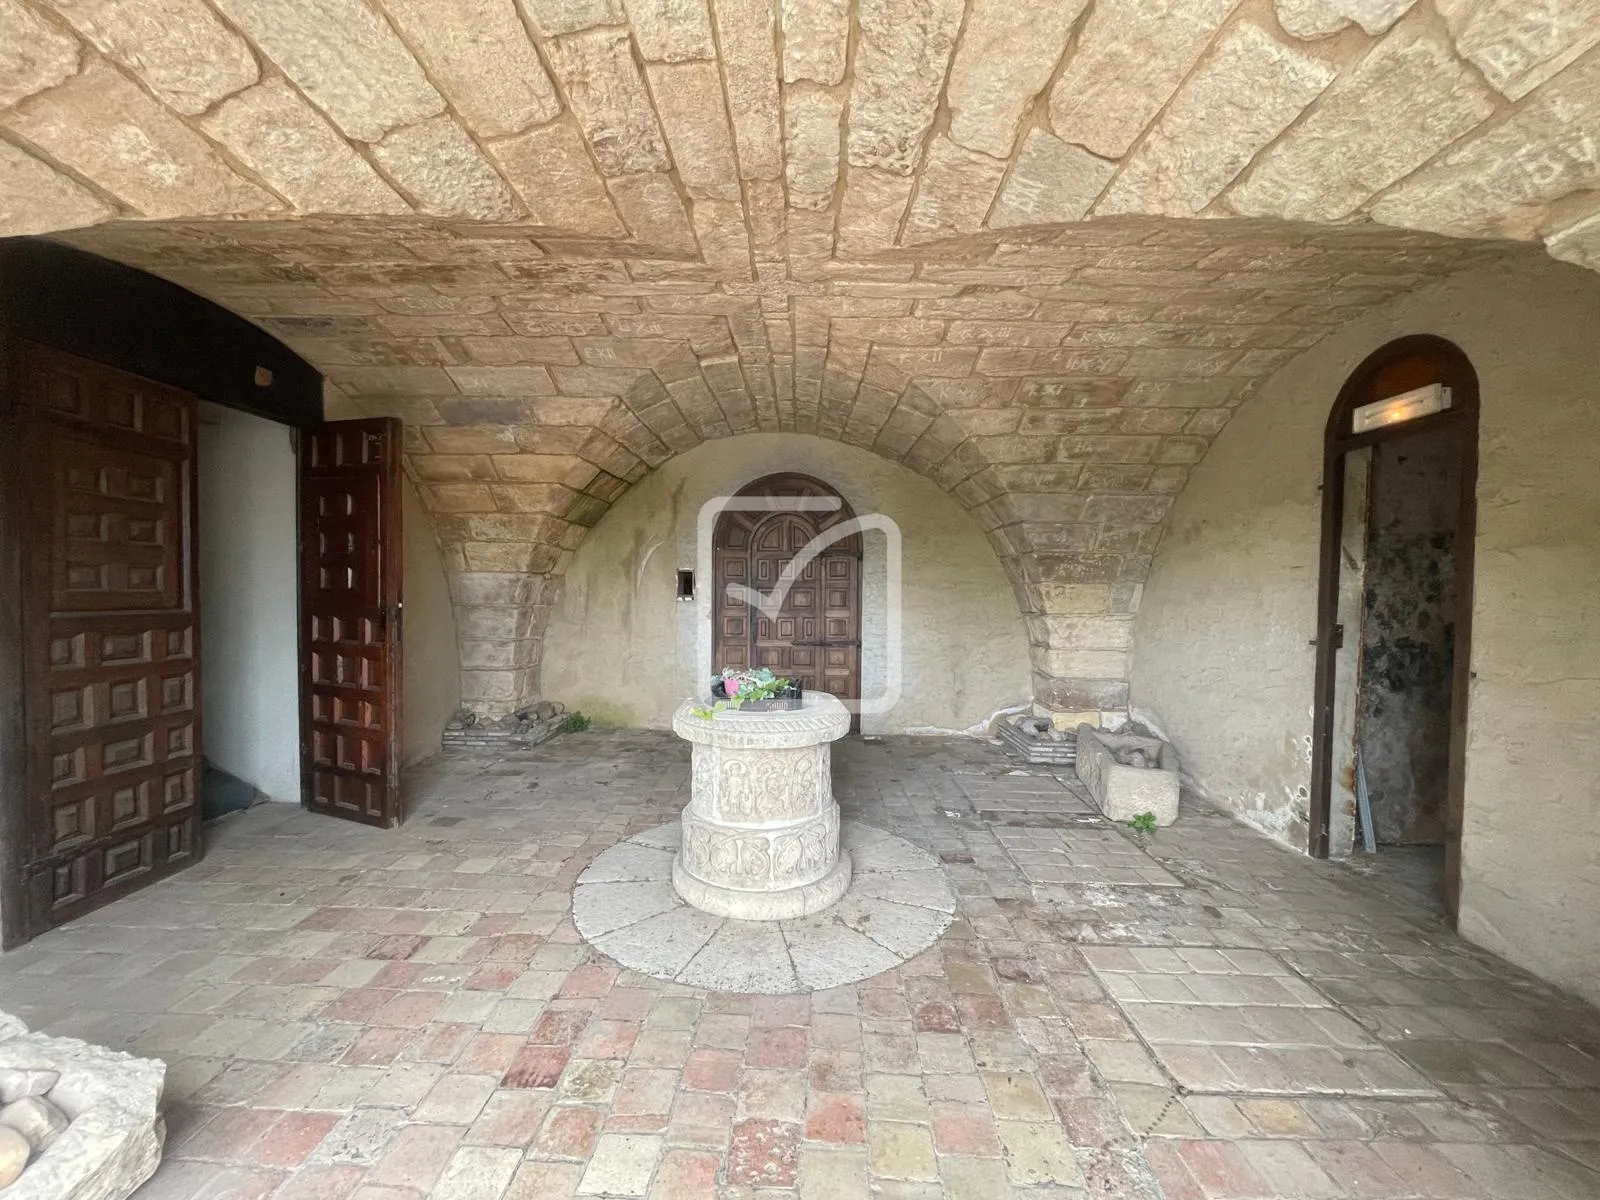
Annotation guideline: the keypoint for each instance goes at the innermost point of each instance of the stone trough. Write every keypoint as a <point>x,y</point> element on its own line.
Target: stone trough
<point>78,1122</point>
<point>1128,774</point>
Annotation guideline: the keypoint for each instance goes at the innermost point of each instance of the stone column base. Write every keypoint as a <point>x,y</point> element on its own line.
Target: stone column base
<point>799,901</point>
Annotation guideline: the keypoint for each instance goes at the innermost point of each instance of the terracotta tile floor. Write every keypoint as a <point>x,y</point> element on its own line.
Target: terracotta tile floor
<point>353,1013</point>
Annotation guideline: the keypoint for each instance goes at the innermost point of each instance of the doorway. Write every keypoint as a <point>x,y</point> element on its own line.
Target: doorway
<point>811,629</point>
<point>249,595</point>
<point>1394,617</point>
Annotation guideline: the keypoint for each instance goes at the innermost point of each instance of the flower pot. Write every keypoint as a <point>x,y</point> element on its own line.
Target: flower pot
<point>787,700</point>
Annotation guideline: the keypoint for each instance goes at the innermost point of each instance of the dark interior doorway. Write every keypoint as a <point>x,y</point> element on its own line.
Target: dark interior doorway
<point>1394,612</point>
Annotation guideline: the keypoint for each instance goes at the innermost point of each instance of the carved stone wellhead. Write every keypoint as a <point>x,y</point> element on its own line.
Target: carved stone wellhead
<point>761,830</point>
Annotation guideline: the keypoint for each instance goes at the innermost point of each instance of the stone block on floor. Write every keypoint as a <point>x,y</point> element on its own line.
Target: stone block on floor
<point>1129,775</point>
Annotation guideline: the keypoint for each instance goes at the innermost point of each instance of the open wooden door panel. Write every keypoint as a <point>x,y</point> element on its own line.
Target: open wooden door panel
<point>104,514</point>
<point>350,619</point>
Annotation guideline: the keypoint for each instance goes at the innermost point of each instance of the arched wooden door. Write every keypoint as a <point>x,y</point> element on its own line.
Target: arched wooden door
<point>803,622</point>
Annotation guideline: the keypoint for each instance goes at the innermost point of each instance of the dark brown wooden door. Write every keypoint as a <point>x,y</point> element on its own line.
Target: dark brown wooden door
<point>111,640</point>
<point>350,623</point>
<point>810,626</point>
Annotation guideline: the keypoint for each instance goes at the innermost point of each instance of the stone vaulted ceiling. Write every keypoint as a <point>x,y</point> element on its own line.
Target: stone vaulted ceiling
<point>1037,252</point>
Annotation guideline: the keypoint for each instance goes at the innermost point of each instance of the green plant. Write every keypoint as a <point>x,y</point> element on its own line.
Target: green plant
<point>741,686</point>
<point>1144,822</point>
<point>574,722</point>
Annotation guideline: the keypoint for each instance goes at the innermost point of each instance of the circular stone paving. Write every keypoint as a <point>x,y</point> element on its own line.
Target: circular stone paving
<point>899,903</point>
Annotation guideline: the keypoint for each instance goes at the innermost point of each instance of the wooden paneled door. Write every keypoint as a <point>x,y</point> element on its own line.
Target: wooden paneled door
<point>350,623</point>
<point>812,630</point>
<point>102,529</point>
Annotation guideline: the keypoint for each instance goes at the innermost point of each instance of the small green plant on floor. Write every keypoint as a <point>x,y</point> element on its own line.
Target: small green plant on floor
<point>574,722</point>
<point>1144,822</point>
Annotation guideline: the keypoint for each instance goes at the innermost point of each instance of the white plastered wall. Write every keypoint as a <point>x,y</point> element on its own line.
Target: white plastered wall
<point>622,649</point>
<point>249,600</point>
<point>1222,658</point>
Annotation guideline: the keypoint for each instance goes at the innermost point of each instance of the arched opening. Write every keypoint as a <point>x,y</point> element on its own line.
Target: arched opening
<point>771,606</point>
<point>1394,614</point>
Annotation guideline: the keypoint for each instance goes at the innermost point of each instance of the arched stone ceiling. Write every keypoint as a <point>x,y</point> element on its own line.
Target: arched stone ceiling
<point>1035,251</point>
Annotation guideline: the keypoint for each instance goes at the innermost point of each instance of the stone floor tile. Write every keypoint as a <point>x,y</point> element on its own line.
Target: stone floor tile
<point>477,1173</point>
<point>686,1175</point>
<point>417,1156</point>
<point>832,1117</point>
<point>545,1181</point>
<point>763,1153</point>
<point>900,1150</point>
<point>829,1172</point>
<point>974,1178</point>
<point>621,1165</point>
<point>1038,1154</point>
<point>456,1099</point>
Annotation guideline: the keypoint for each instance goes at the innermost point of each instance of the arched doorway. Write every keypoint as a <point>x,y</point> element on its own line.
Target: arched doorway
<point>1394,613</point>
<point>806,623</point>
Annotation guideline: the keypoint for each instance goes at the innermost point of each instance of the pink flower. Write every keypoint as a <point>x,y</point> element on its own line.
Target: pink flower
<point>730,684</point>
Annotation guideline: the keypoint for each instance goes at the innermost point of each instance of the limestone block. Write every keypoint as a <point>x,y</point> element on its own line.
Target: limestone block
<point>1130,57</point>
<point>1123,792</point>
<point>178,47</point>
<point>14,1151</point>
<point>275,133</point>
<point>653,210</point>
<point>954,193</point>
<point>1578,243</point>
<point>1518,45</point>
<point>1308,19</point>
<point>36,1119</point>
<point>689,102</point>
<point>34,198</point>
<point>567,16</point>
<point>1242,96</point>
<point>671,30</point>
<point>34,54</point>
<point>745,33</point>
<point>479,53</point>
<point>811,120</point>
<point>1403,103</point>
<point>106,127</point>
<point>552,171</point>
<point>719,226</point>
<point>15,1084</point>
<point>443,168</point>
<point>1052,182</point>
<point>1007,54</point>
<point>345,57</point>
<point>113,1143</point>
<point>869,216</point>
<point>1497,183</point>
<point>816,36</point>
<point>902,55</point>
<point>608,96</point>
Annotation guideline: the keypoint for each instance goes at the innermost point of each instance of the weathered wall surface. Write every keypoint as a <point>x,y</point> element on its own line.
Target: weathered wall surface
<point>430,662</point>
<point>249,600</point>
<point>1408,634</point>
<point>621,648</point>
<point>1222,658</point>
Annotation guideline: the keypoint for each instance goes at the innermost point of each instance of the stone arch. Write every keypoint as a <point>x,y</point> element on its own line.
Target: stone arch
<point>619,643</point>
<point>538,382</point>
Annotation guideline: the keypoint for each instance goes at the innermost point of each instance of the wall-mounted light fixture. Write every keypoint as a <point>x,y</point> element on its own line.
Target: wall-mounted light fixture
<point>685,584</point>
<point>1407,406</point>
